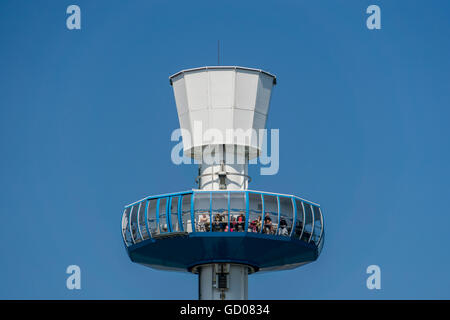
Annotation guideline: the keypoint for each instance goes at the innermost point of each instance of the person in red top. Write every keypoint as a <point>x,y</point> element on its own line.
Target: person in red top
<point>241,222</point>
<point>232,224</point>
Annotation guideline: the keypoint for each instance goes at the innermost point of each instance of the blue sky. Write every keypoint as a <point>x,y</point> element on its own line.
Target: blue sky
<point>86,118</point>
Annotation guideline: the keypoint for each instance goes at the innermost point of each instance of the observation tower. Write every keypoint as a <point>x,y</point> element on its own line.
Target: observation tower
<point>222,230</point>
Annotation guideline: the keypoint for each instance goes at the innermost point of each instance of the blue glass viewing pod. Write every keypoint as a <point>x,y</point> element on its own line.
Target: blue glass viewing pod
<point>265,231</point>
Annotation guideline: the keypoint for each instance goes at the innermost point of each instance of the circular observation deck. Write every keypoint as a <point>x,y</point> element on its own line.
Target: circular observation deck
<point>266,231</point>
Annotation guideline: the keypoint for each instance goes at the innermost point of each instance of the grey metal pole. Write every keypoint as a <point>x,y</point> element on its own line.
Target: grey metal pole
<point>223,281</point>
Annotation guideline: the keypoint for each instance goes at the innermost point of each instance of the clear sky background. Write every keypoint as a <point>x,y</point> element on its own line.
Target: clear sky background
<point>86,117</point>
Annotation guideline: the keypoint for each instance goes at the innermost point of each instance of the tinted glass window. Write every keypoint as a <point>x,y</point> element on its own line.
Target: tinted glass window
<point>174,214</point>
<point>133,224</point>
<point>255,212</point>
<point>317,224</point>
<point>286,216</point>
<point>126,228</point>
<point>202,211</point>
<point>151,217</point>
<point>299,221</point>
<point>186,212</point>
<point>163,227</point>
<point>237,211</point>
<point>308,222</point>
<point>141,220</point>
<point>219,211</point>
<point>270,223</point>
<point>322,240</point>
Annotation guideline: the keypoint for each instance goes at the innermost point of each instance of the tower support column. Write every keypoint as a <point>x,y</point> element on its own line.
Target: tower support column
<point>226,170</point>
<point>223,281</point>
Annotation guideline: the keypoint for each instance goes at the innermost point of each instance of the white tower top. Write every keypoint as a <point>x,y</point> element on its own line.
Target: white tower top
<point>224,101</point>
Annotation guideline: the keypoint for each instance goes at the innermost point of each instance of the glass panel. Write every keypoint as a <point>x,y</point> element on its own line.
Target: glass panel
<point>286,216</point>
<point>255,212</point>
<point>271,214</point>
<point>174,214</point>
<point>125,228</point>
<point>151,216</point>
<point>162,215</point>
<point>322,240</point>
<point>133,225</point>
<point>317,224</point>
<point>219,211</point>
<point>237,211</point>
<point>201,211</point>
<point>141,221</point>
<point>186,212</point>
<point>308,222</point>
<point>299,220</point>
